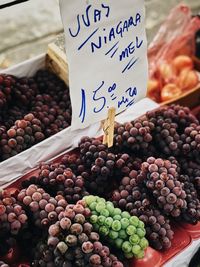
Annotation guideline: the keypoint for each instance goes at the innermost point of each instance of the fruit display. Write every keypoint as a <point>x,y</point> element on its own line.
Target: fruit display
<point>31,109</point>
<point>173,79</point>
<point>100,206</point>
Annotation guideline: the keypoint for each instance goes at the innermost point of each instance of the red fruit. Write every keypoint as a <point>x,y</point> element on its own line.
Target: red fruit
<point>12,142</point>
<point>29,117</point>
<point>22,124</point>
<point>11,133</point>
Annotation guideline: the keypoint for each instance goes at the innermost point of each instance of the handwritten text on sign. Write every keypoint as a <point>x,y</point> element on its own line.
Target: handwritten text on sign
<point>107,55</point>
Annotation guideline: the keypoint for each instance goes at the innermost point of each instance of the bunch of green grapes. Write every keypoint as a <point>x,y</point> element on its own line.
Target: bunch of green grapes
<point>122,230</point>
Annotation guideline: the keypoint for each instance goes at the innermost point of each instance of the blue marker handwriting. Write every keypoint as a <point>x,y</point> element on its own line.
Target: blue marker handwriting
<point>110,34</point>
<point>126,53</point>
<point>100,37</point>
<point>91,16</point>
<point>101,97</point>
<point>130,49</point>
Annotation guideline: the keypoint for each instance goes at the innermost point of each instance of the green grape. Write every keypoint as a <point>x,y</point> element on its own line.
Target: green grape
<point>125,214</point>
<point>117,211</point>
<point>123,234</point>
<point>116,225</point>
<point>140,255</point>
<point>108,222</point>
<point>101,220</point>
<point>109,203</point>
<point>94,219</point>
<point>100,206</point>
<point>101,200</point>
<point>117,217</point>
<point>110,208</point>
<point>89,199</point>
<point>136,249</point>
<point>131,230</point>
<point>129,255</point>
<point>92,206</point>
<point>113,234</point>
<point>104,212</point>
<point>95,213</point>
<point>126,247</point>
<point>134,221</point>
<point>125,223</point>
<point>103,230</point>
<point>141,224</point>
<point>134,239</point>
<point>118,243</point>
<point>144,243</point>
<point>140,232</point>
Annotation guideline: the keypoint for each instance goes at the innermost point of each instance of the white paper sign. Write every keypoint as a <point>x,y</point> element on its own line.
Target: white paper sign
<point>107,55</point>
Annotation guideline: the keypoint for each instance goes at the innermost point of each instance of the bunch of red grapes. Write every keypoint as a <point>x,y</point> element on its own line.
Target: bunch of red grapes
<point>56,179</point>
<point>73,242</point>
<point>31,109</point>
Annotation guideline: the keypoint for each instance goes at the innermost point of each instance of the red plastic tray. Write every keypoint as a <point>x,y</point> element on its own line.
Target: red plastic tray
<point>183,237</point>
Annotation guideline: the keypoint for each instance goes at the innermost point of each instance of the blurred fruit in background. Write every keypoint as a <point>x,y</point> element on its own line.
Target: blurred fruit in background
<point>173,79</point>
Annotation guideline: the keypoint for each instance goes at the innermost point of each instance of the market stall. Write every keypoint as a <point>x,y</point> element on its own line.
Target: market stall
<point>123,193</point>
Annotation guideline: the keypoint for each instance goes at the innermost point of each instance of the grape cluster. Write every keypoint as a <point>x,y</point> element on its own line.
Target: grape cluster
<point>12,215</point>
<point>161,179</point>
<point>165,134</point>
<point>133,136</point>
<point>3,135</point>
<point>191,142</point>
<point>24,91</point>
<point>133,197</point>
<point>192,169</point>
<point>170,123</point>
<point>52,117</point>
<point>125,164</point>
<point>99,164</point>
<point>72,242</point>
<point>44,209</point>
<point>73,162</point>
<point>180,115</point>
<point>124,231</point>
<point>192,213</point>
<point>56,179</point>
<point>49,83</point>
<point>7,82</point>
<point>53,105</point>
<point>45,96</point>
<point>13,114</point>
<point>21,136</point>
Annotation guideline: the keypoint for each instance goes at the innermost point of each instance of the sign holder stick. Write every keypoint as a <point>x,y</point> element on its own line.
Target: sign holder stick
<point>108,127</point>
